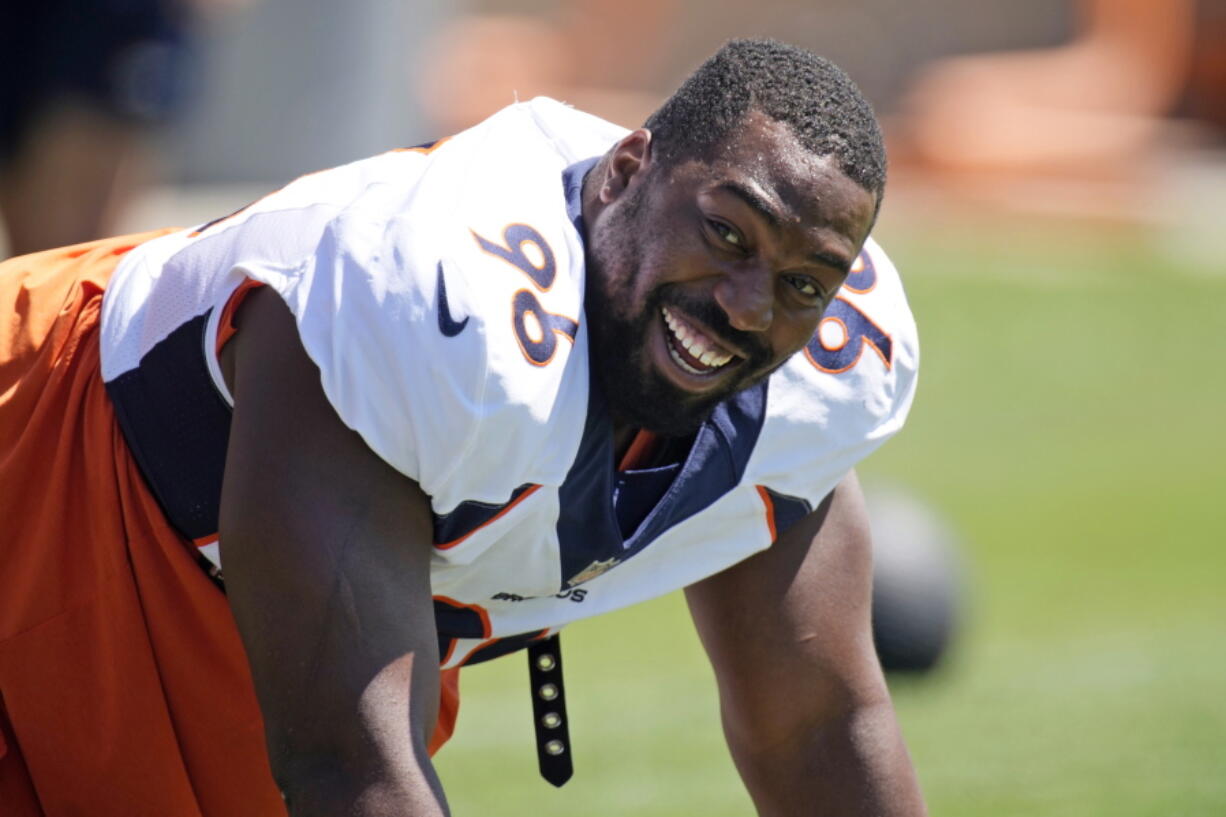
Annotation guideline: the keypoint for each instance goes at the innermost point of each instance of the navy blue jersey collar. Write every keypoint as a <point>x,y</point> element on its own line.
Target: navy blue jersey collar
<point>572,187</point>
<point>589,537</point>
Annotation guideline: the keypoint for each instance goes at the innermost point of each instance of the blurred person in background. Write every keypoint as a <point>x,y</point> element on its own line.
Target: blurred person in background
<point>432,406</point>
<point>83,81</point>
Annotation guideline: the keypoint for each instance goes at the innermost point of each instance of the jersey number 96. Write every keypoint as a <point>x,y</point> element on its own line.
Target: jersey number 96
<point>536,329</point>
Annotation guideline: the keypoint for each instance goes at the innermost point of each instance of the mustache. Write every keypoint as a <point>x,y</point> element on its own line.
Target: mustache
<point>758,353</point>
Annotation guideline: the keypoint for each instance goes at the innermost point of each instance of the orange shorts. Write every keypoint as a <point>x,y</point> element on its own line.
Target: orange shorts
<point>124,688</point>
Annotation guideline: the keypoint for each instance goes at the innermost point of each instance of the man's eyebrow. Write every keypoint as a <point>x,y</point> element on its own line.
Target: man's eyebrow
<point>764,208</point>
<point>755,201</point>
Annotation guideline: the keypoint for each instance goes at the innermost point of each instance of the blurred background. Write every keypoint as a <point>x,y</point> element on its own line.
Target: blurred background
<point>1057,208</point>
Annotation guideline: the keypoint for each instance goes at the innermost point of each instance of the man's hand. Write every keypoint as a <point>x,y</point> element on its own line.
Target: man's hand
<point>326,551</point>
<point>805,707</point>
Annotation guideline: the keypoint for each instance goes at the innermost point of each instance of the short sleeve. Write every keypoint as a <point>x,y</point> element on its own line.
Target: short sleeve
<point>848,391</point>
<point>366,301</point>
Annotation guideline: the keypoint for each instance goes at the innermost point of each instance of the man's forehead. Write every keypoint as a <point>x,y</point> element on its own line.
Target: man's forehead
<point>765,145</point>
<point>764,158</point>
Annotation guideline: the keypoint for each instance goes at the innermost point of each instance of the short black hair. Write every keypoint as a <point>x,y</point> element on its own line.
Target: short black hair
<point>811,95</point>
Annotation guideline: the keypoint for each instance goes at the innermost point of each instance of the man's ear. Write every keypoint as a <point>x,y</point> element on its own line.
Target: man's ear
<point>628,158</point>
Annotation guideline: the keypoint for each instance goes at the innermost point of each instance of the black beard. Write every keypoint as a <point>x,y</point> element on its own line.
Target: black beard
<point>636,393</point>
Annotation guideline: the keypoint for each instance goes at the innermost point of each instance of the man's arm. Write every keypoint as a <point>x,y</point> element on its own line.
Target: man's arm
<point>804,703</point>
<point>327,553</point>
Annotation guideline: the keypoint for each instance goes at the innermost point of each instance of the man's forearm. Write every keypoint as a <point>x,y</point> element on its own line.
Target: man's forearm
<point>855,764</point>
<point>374,761</point>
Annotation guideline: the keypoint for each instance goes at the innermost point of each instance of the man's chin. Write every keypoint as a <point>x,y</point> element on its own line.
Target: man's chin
<point>637,394</point>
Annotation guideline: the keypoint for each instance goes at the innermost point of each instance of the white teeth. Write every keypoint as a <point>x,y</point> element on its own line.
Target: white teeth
<point>677,359</point>
<point>694,345</point>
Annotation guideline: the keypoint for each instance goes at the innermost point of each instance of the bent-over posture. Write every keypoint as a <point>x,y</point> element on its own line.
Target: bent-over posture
<point>426,409</point>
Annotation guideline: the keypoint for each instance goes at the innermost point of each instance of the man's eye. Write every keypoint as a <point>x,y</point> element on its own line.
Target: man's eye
<point>806,287</point>
<point>726,233</point>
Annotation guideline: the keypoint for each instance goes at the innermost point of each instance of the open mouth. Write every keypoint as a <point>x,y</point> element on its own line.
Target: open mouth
<point>694,351</point>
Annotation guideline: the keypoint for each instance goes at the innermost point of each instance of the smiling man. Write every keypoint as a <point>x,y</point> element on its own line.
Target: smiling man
<point>440,403</point>
<point>781,221</point>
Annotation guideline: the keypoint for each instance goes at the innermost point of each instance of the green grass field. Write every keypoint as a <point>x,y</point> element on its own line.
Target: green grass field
<point>1070,424</point>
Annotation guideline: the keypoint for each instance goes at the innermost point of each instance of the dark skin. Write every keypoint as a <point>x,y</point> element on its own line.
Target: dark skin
<point>327,548</point>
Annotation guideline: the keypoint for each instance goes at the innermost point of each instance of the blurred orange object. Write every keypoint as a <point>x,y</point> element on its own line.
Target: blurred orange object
<point>1086,109</point>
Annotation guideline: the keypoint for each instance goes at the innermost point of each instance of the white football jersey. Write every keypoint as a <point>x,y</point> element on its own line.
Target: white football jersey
<point>440,292</point>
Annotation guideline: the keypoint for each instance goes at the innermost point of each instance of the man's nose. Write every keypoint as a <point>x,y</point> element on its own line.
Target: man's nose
<point>747,296</point>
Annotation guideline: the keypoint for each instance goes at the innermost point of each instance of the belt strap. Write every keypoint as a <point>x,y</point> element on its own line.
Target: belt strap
<point>549,710</point>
